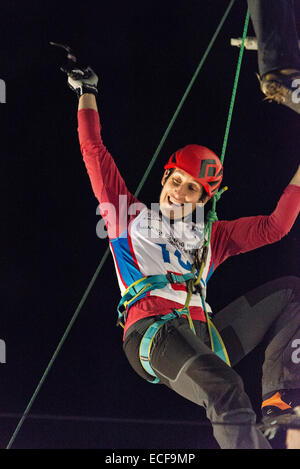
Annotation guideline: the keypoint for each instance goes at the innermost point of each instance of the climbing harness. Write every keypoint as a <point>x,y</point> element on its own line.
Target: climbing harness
<point>147,340</point>
<point>146,174</point>
<point>192,279</point>
<point>135,291</point>
<point>217,344</point>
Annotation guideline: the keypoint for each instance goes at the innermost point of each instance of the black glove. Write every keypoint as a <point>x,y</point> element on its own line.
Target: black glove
<point>80,79</point>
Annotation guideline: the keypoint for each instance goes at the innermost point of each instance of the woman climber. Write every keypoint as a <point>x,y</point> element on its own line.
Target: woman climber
<point>164,340</point>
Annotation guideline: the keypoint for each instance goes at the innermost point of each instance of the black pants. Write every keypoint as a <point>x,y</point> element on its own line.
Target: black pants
<point>185,363</point>
<point>275,28</point>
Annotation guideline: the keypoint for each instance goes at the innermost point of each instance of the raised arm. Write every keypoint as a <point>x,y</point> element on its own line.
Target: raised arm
<point>107,184</point>
<point>87,101</point>
<point>249,233</point>
<point>296,179</point>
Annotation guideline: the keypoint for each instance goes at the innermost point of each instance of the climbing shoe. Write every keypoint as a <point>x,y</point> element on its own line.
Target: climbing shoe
<point>282,87</point>
<point>278,413</point>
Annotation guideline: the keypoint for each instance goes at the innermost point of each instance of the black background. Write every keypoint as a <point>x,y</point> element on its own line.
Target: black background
<point>145,54</point>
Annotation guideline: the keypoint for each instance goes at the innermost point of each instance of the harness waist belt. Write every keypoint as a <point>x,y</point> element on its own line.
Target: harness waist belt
<point>145,284</point>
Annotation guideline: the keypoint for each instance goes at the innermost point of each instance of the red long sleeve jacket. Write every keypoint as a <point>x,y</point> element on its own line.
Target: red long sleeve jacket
<point>134,231</point>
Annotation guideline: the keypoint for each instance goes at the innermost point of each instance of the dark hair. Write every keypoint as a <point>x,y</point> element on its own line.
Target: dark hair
<point>204,193</point>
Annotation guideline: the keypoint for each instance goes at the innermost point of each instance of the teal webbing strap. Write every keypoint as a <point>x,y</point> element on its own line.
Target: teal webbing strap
<point>152,282</point>
<point>146,342</point>
<point>218,346</point>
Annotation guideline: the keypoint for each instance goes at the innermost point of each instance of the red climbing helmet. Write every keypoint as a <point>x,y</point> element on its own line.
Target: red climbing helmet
<point>201,163</point>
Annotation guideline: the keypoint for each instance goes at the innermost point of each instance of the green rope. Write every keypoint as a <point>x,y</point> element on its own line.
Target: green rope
<point>212,214</point>
<point>188,89</point>
<point>75,315</point>
<point>58,348</point>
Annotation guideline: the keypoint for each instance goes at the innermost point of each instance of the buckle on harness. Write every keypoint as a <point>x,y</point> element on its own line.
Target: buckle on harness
<point>172,278</point>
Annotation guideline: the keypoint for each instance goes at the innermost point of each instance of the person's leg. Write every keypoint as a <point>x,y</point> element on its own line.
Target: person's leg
<point>278,51</point>
<point>275,28</point>
<point>270,312</point>
<point>185,364</point>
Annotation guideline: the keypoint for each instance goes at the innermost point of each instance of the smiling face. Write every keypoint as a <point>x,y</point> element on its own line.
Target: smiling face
<point>180,194</point>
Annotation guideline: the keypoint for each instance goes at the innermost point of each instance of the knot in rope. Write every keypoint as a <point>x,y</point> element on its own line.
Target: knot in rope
<point>211,216</point>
